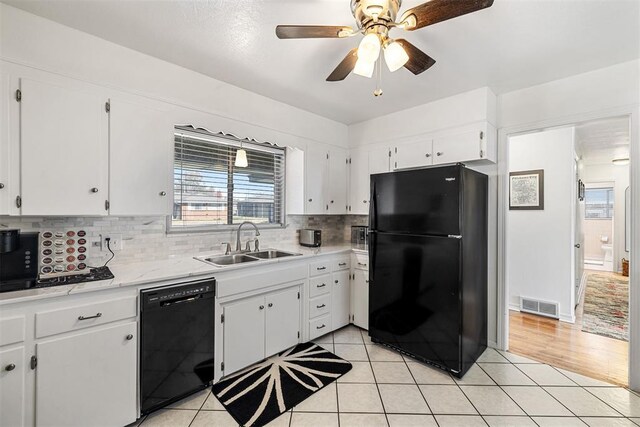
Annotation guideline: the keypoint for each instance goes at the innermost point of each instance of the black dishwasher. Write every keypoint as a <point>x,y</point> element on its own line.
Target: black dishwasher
<point>176,350</point>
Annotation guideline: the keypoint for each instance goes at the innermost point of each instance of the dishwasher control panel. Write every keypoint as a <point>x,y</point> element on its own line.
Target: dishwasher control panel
<point>178,292</point>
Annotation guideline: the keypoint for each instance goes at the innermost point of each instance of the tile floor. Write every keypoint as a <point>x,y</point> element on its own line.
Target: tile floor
<point>387,389</point>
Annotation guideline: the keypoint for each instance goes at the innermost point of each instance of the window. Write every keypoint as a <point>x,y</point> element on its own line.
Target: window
<point>598,203</point>
<point>211,193</point>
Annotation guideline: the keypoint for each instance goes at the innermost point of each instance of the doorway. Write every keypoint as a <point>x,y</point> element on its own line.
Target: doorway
<point>568,300</point>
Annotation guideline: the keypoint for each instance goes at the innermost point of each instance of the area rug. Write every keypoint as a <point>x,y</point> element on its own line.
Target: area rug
<point>260,393</point>
<point>606,306</point>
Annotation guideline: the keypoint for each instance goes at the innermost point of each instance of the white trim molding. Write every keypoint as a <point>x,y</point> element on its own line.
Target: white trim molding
<point>631,111</point>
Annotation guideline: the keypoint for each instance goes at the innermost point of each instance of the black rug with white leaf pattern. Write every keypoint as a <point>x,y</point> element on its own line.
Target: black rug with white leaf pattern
<point>258,394</point>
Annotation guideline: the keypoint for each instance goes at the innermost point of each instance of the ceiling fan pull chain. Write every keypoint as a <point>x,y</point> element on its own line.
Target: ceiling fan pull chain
<point>378,91</point>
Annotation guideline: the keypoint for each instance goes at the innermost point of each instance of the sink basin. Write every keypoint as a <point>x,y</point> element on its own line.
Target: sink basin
<point>231,259</point>
<point>271,253</point>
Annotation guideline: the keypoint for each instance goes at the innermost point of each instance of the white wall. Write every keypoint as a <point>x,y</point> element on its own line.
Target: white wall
<point>29,40</point>
<point>619,175</point>
<point>540,242</point>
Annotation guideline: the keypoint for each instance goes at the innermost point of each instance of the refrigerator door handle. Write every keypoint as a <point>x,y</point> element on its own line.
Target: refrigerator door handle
<point>372,208</point>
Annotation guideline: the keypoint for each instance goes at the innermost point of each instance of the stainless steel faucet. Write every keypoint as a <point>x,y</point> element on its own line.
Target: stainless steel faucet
<point>238,244</point>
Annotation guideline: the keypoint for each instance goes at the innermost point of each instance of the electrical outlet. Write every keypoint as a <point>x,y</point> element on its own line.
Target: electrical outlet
<point>115,243</point>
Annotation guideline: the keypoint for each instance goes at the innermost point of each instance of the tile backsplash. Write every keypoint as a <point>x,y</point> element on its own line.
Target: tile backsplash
<point>145,238</point>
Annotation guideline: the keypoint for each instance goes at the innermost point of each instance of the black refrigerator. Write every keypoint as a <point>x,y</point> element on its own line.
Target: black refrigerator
<point>428,264</point>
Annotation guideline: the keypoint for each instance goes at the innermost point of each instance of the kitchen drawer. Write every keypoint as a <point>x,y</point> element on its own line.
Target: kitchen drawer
<point>319,306</point>
<point>83,316</point>
<point>319,285</point>
<point>360,261</point>
<point>319,267</point>
<point>11,330</point>
<point>319,326</point>
<point>341,263</point>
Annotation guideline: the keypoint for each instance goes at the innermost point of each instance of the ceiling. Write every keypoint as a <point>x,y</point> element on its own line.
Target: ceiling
<point>601,141</point>
<point>513,44</point>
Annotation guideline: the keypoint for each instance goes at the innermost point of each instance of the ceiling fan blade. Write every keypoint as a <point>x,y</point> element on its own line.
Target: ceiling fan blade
<point>344,67</point>
<point>418,60</point>
<point>436,11</point>
<point>311,31</point>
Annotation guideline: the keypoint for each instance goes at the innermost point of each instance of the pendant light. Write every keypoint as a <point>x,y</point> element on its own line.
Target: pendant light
<point>241,158</point>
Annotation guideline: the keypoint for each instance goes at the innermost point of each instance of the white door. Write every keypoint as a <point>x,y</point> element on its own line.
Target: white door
<point>12,371</point>
<point>140,155</point>
<point>340,299</point>
<point>379,160</point>
<point>360,298</point>
<point>243,333</point>
<point>88,379</point>
<point>359,183</point>
<point>283,320</point>
<point>412,155</point>
<point>337,194</point>
<point>64,151</point>
<point>460,147</point>
<point>315,186</point>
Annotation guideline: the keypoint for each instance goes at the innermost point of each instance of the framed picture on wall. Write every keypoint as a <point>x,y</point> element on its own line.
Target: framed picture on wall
<point>526,190</point>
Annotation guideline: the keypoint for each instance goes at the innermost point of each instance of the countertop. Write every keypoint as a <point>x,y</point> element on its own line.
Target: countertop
<point>175,268</point>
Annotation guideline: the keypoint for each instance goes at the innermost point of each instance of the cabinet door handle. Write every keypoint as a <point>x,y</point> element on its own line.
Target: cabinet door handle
<point>336,281</point>
<point>342,264</point>
<point>428,155</point>
<point>129,337</point>
<point>321,286</point>
<point>262,307</point>
<point>365,201</point>
<point>321,268</point>
<point>362,264</point>
<point>10,367</point>
<point>320,306</point>
<point>1,186</point>
<point>163,193</point>
<point>439,153</point>
<point>320,327</point>
<point>95,316</point>
<point>94,190</point>
<point>270,304</point>
<point>311,200</point>
<point>366,281</point>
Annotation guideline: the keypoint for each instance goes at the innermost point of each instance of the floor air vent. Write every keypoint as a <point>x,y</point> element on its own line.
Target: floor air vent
<point>543,308</point>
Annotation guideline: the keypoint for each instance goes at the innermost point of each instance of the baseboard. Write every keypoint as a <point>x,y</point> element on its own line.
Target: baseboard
<point>567,318</point>
<point>514,307</point>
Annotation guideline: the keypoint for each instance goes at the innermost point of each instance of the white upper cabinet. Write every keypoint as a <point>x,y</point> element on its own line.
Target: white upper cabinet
<point>476,142</point>
<point>5,99</point>
<point>413,154</point>
<point>294,176</point>
<point>140,155</point>
<point>336,201</point>
<point>379,160</point>
<point>64,150</point>
<point>359,182</point>
<point>315,188</point>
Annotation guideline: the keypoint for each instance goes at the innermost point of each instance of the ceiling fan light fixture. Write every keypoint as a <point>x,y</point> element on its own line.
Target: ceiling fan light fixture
<point>369,48</point>
<point>395,56</point>
<point>364,68</point>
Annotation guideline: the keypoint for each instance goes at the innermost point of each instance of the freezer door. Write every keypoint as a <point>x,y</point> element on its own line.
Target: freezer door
<point>423,201</point>
<point>414,295</point>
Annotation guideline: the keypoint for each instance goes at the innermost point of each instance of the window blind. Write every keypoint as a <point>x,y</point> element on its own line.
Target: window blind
<point>211,192</point>
<point>598,203</point>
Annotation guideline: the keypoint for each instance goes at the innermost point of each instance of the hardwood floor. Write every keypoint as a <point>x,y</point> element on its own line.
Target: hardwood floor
<point>566,346</point>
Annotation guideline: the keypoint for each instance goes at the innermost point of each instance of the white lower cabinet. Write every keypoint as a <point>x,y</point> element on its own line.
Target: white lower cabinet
<point>340,297</point>
<point>360,298</point>
<point>260,326</point>
<point>88,379</point>
<point>12,372</point>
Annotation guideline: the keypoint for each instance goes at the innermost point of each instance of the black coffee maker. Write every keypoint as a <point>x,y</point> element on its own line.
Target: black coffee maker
<point>18,260</point>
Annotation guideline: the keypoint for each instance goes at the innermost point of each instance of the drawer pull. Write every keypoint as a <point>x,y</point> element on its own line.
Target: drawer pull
<point>320,327</point>
<point>10,367</point>
<point>362,264</point>
<point>320,306</point>
<point>95,316</point>
<point>129,337</point>
<point>321,268</point>
<point>342,264</point>
<point>336,281</point>
<point>270,304</point>
<point>321,286</point>
<point>261,307</point>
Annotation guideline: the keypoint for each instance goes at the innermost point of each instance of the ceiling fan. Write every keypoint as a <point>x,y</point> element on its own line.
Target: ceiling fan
<point>374,19</point>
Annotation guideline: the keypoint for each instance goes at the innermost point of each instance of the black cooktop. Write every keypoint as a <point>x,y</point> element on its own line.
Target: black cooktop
<point>94,274</point>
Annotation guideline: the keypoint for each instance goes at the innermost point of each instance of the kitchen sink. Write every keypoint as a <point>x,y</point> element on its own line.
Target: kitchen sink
<point>271,253</point>
<point>230,259</point>
<point>239,258</point>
